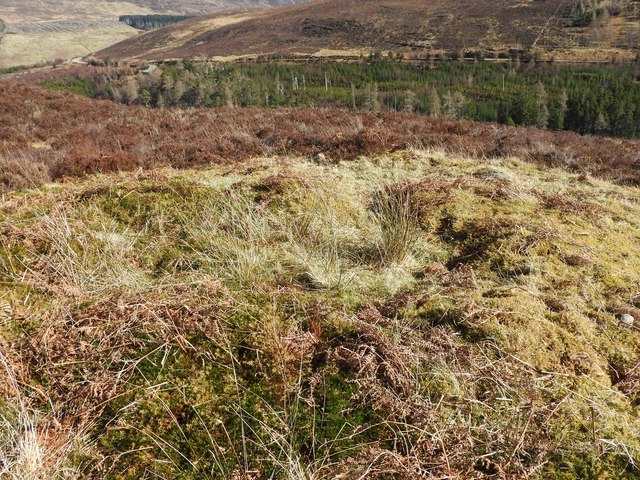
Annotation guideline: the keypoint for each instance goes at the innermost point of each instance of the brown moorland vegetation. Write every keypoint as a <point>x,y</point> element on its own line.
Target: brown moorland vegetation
<point>55,135</point>
<point>47,73</point>
<point>348,28</point>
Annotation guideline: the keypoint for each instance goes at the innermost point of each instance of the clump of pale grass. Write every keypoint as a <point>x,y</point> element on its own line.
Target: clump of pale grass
<point>229,235</point>
<point>323,241</point>
<point>88,260</point>
<point>246,242</point>
<point>21,455</point>
<point>317,242</point>
<point>321,268</point>
<point>236,260</point>
<point>27,451</point>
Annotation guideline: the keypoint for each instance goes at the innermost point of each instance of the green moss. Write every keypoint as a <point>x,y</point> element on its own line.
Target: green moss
<point>316,349</point>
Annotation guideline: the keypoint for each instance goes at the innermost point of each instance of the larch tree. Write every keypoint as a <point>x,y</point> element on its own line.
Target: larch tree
<point>542,108</point>
<point>435,105</point>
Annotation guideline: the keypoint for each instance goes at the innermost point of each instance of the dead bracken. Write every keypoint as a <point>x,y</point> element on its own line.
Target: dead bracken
<point>89,136</point>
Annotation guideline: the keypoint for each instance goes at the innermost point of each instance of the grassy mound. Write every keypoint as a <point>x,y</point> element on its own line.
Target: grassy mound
<point>412,315</point>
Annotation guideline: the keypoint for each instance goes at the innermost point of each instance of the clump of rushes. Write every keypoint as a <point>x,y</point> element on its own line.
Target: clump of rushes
<point>83,259</point>
<point>393,210</point>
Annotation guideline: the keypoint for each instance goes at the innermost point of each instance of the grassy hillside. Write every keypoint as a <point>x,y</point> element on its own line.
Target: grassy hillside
<point>39,42</point>
<point>46,10</point>
<point>573,30</point>
<point>408,315</point>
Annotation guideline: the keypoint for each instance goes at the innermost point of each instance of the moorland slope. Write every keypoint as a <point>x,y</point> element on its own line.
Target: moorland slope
<point>410,315</point>
<point>45,135</point>
<point>330,295</point>
<point>562,28</point>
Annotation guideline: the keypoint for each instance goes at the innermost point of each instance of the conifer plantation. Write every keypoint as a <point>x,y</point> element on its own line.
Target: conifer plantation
<point>599,100</point>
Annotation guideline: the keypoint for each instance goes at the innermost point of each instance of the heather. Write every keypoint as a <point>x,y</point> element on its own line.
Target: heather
<point>56,136</point>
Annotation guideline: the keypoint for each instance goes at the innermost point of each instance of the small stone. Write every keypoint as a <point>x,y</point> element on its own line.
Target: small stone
<point>626,319</point>
<point>320,158</point>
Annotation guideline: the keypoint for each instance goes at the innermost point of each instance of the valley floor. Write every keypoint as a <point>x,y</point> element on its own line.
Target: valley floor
<point>39,42</point>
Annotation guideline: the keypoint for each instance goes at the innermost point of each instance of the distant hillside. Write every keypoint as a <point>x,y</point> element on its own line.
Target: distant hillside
<point>46,30</point>
<point>354,27</point>
<point>48,10</point>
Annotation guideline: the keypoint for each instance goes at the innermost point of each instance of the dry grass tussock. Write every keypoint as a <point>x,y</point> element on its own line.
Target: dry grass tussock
<point>67,136</point>
<point>21,172</point>
<point>409,315</point>
<point>31,445</point>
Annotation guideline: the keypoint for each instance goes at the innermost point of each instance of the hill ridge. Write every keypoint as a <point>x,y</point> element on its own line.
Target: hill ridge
<point>355,27</point>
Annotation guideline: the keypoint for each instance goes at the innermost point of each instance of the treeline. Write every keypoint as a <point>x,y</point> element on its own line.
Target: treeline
<point>587,99</point>
<point>152,22</point>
